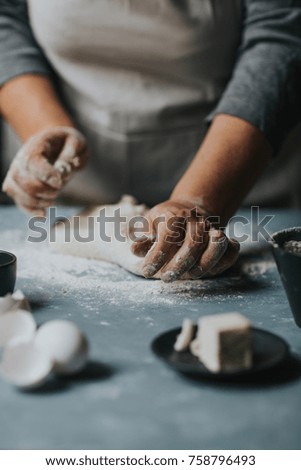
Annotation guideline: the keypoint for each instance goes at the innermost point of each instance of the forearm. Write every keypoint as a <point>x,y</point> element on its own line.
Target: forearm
<point>228,163</point>
<point>29,104</point>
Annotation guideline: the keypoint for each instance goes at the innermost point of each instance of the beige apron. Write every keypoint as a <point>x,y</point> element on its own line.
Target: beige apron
<point>139,76</point>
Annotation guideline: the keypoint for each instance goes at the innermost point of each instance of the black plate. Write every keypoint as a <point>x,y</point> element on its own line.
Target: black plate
<point>269,350</point>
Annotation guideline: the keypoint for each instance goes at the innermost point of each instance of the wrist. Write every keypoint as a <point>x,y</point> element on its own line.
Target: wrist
<point>230,159</point>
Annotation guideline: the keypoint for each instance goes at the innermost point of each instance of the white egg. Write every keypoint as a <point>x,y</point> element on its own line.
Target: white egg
<point>11,302</point>
<point>16,327</point>
<point>65,343</point>
<point>25,366</point>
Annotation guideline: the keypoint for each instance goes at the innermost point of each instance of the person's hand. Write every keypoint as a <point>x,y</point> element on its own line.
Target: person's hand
<point>42,167</point>
<point>181,240</point>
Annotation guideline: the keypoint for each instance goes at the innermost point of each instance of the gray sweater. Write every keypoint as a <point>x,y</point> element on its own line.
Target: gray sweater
<point>265,86</point>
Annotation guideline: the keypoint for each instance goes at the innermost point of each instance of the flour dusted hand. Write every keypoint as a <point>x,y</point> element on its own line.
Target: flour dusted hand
<point>181,242</point>
<point>43,166</point>
<point>210,258</point>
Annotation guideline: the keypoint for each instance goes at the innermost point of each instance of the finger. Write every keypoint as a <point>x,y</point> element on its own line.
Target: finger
<point>40,154</point>
<point>229,258</point>
<point>73,155</point>
<point>144,243</point>
<point>141,247</point>
<point>76,141</point>
<point>34,187</point>
<point>22,198</point>
<point>170,236</point>
<point>195,243</point>
<point>216,248</point>
<point>35,160</point>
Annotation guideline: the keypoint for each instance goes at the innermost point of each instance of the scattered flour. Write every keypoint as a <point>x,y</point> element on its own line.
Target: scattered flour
<point>90,281</point>
<point>293,246</point>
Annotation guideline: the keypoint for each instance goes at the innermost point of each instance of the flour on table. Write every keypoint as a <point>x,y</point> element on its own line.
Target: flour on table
<point>117,250</point>
<point>45,275</point>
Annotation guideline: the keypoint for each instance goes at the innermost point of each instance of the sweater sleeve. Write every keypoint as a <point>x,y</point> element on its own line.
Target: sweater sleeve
<point>19,51</point>
<point>265,87</point>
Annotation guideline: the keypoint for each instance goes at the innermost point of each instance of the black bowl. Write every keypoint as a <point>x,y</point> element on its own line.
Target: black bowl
<point>8,272</point>
<point>289,267</point>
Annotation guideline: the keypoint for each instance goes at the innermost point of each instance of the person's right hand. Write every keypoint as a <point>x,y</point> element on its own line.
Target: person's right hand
<point>42,167</point>
<point>180,240</point>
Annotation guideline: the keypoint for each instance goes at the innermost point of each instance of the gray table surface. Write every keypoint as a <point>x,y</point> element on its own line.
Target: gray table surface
<point>127,398</point>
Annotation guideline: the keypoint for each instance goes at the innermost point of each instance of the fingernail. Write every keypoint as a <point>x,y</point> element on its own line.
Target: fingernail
<point>196,272</point>
<point>169,276</point>
<point>54,181</point>
<point>76,161</point>
<point>149,271</point>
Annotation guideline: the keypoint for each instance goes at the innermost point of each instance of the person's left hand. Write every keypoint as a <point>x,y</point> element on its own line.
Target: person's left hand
<point>181,241</point>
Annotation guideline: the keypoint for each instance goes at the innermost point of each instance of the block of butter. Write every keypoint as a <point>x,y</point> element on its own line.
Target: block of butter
<point>225,342</point>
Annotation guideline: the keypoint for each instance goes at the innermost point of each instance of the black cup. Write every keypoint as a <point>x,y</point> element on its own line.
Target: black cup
<point>8,272</point>
<point>289,267</point>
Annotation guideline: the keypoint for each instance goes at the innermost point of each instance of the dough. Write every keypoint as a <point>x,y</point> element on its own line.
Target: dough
<point>114,251</point>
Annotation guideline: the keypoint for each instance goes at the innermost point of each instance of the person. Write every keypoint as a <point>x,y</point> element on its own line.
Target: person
<point>182,103</point>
